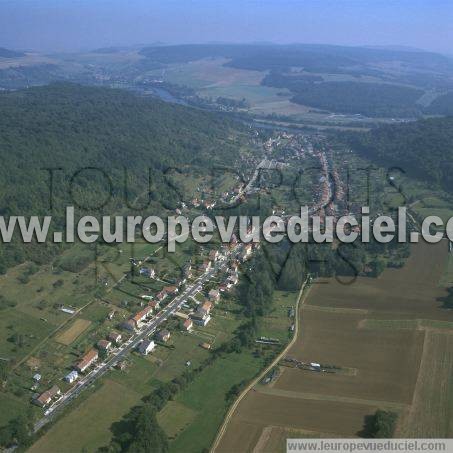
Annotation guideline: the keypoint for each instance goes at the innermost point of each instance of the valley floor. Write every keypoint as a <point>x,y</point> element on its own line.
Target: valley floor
<point>390,346</point>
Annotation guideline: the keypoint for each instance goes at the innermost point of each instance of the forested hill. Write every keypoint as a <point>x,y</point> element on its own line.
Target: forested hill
<point>423,149</point>
<point>6,53</point>
<point>71,127</point>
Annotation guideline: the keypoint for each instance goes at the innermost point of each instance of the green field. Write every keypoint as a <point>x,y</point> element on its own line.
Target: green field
<point>206,395</point>
<point>277,323</point>
<point>175,417</point>
<point>88,426</point>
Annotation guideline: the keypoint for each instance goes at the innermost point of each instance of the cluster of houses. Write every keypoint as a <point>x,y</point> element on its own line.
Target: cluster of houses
<point>208,204</point>
<point>200,317</point>
<point>230,196</point>
<point>231,279</point>
<point>103,346</point>
<point>80,367</point>
<point>246,252</point>
<point>148,345</point>
<point>136,321</point>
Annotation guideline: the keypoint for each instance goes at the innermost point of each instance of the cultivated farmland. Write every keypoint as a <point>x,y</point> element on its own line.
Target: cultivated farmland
<point>69,335</point>
<point>385,343</point>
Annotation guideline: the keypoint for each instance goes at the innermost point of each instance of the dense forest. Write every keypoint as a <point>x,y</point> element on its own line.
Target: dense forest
<point>442,105</point>
<point>370,99</point>
<point>312,57</point>
<point>128,141</point>
<point>14,77</point>
<point>423,149</point>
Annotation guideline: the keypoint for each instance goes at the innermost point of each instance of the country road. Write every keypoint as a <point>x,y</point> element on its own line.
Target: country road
<point>230,413</point>
<point>152,325</point>
<point>149,328</point>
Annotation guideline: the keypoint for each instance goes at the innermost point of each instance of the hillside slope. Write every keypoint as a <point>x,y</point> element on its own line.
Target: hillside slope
<point>423,149</point>
<point>70,127</point>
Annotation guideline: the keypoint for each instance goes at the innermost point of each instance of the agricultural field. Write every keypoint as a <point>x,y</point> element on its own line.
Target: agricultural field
<point>206,395</point>
<point>211,79</point>
<point>93,419</point>
<point>183,419</point>
<point>388,344</point>
<point>52,314</point>
<point>71,333</point>
<point>431,413</point>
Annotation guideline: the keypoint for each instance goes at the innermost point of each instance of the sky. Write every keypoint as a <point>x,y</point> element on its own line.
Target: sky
<point>73,25</point>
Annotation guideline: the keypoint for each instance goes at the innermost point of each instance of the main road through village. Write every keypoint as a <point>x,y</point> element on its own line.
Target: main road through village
<point>149,328</point>
<point>118,354</point>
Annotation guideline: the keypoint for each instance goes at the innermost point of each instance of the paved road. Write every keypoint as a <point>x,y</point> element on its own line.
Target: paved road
<point>118,354</point>
<point>151,326</point>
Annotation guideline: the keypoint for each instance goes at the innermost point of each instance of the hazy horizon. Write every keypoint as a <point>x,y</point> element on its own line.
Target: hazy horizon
<point>75,25</point>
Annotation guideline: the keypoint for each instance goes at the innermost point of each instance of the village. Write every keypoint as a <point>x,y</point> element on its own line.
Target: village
<point>145,330</point>
<point>177,297</point>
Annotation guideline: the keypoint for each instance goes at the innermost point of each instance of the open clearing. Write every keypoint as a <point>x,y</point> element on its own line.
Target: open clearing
<point>391,330</point>
<point>71,334</point>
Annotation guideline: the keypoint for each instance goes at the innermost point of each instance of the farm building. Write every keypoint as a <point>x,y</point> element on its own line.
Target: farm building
<point>205,266</point>
<point>154,304</point>
<point>161,295</point>
<point>246,252</point>
<point>180,315</point>
<point>171,290</point>
<point>201,317</point>
<point>188,270</point>
<point>138,319</point>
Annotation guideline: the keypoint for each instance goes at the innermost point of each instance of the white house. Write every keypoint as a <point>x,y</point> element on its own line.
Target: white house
<point>146,346</point>
<point>71,377</point>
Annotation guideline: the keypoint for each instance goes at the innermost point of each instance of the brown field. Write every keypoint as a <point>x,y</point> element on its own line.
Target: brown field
<point>394,345</point>
<point>387,360</point>
<point>71,333</point>
<point>412,290</point>
<point>273,438</point>
<point>431,414</point>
